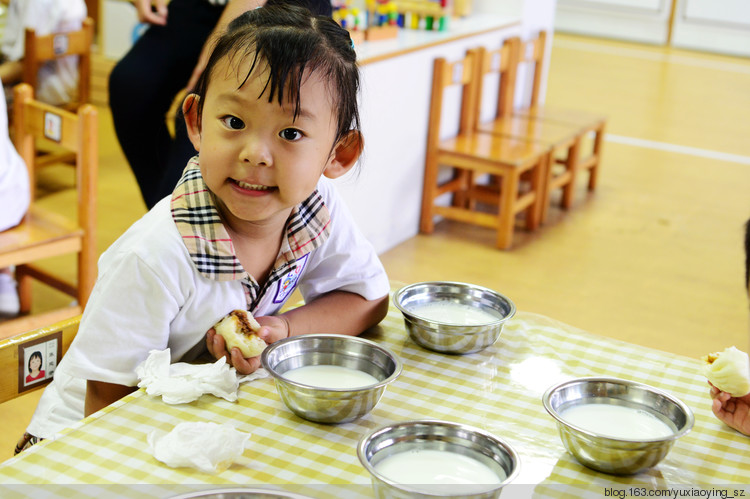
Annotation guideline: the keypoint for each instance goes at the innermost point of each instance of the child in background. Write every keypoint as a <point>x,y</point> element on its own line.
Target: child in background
<point>252,218</point>
<point>14,193</point>
<point>57,82</point>
<point>735,411</point>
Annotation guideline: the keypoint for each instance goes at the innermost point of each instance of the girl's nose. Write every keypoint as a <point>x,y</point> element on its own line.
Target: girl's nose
<point>256,152</point>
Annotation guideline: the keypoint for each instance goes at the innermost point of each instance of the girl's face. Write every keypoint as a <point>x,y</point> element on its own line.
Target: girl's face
<point>255,157</point>
<point>35,363</point>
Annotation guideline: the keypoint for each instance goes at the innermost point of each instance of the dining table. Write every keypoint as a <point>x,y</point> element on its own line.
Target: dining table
<point>498,389</point>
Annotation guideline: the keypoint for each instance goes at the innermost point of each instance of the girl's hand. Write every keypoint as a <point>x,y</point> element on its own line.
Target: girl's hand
<point>734,411</point>
<point>273,328</point>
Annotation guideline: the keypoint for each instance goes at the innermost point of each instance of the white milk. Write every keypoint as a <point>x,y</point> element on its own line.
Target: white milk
<point>454,313</point>
<point>426,468</point>
<point>330,376</point>
<point>617,421</point>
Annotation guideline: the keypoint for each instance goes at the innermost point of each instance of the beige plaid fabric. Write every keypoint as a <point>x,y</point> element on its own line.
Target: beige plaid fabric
<point>498,389</point>
<point>210,247</point>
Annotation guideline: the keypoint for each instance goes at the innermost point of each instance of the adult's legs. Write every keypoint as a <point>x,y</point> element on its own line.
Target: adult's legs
<point>144,83</point>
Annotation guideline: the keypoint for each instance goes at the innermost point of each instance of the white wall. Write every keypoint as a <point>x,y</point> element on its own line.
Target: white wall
<point>385,198</point>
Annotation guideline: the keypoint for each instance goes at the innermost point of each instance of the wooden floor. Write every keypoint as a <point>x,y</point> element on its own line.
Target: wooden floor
<point>653,257</point>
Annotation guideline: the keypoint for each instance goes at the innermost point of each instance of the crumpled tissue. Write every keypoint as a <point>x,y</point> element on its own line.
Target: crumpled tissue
<point>209,447</point>
<point>181,382</point>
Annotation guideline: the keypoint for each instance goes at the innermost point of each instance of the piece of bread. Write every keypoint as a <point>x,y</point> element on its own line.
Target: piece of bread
<point>238,329</point>
<point>729,371</point>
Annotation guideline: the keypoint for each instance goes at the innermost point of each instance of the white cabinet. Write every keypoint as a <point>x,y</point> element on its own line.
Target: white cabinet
<point>713,25</point>
<point>645,21</point>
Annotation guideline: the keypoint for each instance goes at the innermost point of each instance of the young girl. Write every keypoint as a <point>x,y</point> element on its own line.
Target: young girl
<point>251,219</point>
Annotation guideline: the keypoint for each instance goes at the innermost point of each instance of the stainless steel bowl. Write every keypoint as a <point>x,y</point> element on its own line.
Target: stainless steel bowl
<point>446,337</point>
<point>330,405</point>
<point>436,435</point>
<point>616,455</point>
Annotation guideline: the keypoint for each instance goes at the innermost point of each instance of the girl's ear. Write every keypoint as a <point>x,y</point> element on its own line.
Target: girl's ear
<point>345,154</point>
<point>192,120</point>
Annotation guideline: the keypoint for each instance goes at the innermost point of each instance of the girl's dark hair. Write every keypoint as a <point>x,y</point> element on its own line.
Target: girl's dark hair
<point>35,354</point>
<point>291,41</point>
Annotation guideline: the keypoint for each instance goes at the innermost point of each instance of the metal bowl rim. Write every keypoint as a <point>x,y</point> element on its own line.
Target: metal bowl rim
<point>239,490</point>
<point>435,422</point>
<point>380,384</point>
<point>689,417</point>
<point>407,313</point>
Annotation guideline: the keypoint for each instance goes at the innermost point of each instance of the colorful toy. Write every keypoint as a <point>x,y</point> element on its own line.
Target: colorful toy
<point>381,19</point>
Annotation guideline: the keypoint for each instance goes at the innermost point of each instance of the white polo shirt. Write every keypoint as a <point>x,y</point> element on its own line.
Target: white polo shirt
<point>173,275</point>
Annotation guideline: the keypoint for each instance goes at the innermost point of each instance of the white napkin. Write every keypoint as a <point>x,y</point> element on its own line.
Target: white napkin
<point>209,447</point>
<point>182,382</point>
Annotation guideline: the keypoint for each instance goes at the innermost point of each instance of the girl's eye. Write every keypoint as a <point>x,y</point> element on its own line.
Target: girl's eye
<point>233,122</point>
<point>291,134</point>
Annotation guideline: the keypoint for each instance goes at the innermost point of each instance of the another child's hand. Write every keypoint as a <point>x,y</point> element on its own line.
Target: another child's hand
<point>273,328</point>
<point>734,411</point>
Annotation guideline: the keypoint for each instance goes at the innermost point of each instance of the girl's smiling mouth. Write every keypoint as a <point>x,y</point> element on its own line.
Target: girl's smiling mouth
<point>252,188</point>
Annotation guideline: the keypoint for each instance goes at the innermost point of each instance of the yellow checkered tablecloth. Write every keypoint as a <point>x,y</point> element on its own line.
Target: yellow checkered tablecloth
<point>498,389</point>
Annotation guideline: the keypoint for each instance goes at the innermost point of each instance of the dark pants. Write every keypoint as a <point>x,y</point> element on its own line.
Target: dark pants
<point>142,87</point>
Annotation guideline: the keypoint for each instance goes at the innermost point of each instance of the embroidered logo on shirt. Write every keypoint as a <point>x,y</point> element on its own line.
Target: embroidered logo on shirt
<point>288,283</point>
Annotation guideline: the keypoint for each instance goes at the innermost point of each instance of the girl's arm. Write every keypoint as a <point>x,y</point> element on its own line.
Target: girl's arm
<point>100,394</point>
<point>336,312</point>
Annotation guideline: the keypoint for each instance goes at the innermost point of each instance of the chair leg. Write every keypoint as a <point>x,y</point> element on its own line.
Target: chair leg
<point>429,190</point>
<point>506,205</point>
<point>571,165</point>
<point>461,199</point>
<point>87,270</point>
<point>540,188</point>
<point>594,172</point>
<point>543,200</point>
<point>24,290</point>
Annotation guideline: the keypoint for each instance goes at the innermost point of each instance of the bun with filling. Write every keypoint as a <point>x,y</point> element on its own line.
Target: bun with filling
<point>238,329</point>
<point>729,371</point>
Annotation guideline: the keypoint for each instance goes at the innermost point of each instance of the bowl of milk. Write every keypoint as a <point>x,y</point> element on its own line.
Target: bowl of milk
<point>330,378</point>
<point>432,458</point>
<point>453,317</point>
<point>614,425</point>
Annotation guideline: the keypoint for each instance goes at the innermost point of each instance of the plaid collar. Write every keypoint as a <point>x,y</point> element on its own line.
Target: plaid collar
<point>210,247</point>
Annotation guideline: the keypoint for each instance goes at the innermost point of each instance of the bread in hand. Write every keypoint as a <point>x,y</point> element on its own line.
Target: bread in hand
<point>729,371</point>
<point>238,329</point>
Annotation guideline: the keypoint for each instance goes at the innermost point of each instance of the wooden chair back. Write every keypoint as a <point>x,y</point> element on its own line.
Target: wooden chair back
<point>530,54</point>
<point>445,75</point>
<point>502,61</point>
<point>49,341</point>
<point>43,233</point>
<point>40,49</point>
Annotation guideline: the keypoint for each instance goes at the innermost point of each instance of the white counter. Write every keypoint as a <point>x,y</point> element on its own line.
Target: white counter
<point>385,193</point>
<point>410,40</point>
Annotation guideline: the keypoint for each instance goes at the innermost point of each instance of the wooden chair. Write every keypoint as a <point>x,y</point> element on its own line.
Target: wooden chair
<point>51,341</point>
<point>531,54</point>
<point>42,233</point>
<point>562,139</point>
<point>471,154</point>
<point>41,49</point>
